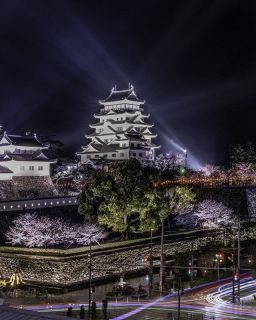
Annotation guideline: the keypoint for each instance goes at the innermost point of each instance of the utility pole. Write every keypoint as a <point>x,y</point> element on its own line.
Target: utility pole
<point>162,262</point>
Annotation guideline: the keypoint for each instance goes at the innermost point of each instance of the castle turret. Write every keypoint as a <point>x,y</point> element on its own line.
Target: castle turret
<point>121,130</point>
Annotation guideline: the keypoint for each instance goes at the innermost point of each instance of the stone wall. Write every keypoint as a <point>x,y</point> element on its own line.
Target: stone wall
<point>61,271</point>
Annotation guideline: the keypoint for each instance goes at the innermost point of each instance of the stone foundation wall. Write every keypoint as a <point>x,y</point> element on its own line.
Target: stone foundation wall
<point>69,271</point>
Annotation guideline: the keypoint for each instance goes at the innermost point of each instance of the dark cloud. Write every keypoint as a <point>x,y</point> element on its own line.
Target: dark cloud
<point>193,62</point>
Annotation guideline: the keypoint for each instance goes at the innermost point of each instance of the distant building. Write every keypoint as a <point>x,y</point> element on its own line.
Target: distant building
<point>121,131</point>
<point>23,156</point>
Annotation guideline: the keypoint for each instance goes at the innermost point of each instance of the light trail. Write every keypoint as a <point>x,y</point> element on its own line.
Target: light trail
<point>220,296</point>
<point>213,305</point>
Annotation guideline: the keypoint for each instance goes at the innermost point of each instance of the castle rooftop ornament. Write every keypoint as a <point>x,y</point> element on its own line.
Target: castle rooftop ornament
<point>121,131</point>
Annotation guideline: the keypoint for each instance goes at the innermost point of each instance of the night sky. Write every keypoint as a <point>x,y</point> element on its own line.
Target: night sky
<point>192,61</point>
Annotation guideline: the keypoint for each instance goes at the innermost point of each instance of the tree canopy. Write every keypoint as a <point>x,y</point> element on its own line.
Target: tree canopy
<point>125,199</point>
<point>162,203</point>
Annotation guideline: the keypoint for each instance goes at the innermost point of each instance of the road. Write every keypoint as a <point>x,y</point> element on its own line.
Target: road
<point>208,301</point>
<point>212,302</point>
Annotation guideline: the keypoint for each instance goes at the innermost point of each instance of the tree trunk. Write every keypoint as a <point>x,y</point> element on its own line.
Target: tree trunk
<point>126,232</point>
<point>162,263</point>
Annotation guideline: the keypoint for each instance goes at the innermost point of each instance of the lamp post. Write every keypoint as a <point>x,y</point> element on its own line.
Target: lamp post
<point>218,259</point>
<point>151,264</point>
<point>179,289</point>
<point>90,277</point>
<point>233,278</point>
<point>186,157</point>
<point>238,259</point>
<point>162,261</point>
<point>192,263</point>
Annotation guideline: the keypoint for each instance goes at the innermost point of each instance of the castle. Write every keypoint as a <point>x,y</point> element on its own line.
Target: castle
<point>23,155</point>
<point>121,130</point>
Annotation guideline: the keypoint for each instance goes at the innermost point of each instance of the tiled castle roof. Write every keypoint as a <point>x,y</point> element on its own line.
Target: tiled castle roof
<point>117,95</point>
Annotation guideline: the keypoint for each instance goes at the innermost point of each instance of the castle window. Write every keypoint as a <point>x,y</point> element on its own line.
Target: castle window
<point>119,128</point>
<point>96,156</point>
<point>140,154</point>
<point>124,145</point>
<point>31,168</point>
<point>132,145</point>
<point>134,154</point>
<point>113,155</point>
<point>88,156</point>
<point>105,156</point>
<point>40,168</point>
<point>22,168</point>
<point>122,155</point>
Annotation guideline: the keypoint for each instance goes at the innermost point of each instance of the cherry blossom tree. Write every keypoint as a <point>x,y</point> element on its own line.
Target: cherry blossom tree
<point>167,161</point>
<point>33,231</point>
<point>213,171</point>
<point>245,171</point>
<point>207,214</point>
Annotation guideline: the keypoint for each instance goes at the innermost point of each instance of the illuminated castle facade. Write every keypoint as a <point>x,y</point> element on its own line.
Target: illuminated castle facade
<point>121,131</point>
<point>23,156</point>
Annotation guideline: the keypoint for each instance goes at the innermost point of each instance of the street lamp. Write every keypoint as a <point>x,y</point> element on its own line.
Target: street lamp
<point>186,157</point>
<point>151,263</point>
<point>90,276</point>
<point>219,259</point>
<point>191,263</point>
<point>179,293</point>
<point>238,258</point>
<point>162,262</point>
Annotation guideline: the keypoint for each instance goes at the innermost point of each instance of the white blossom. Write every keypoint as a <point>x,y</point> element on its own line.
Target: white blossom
<point>31,230</point>
<point>207,214</point>
<point>166,161</point>
<point>212,214</point>
<point>213,171</point>
<point>245,171</point>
